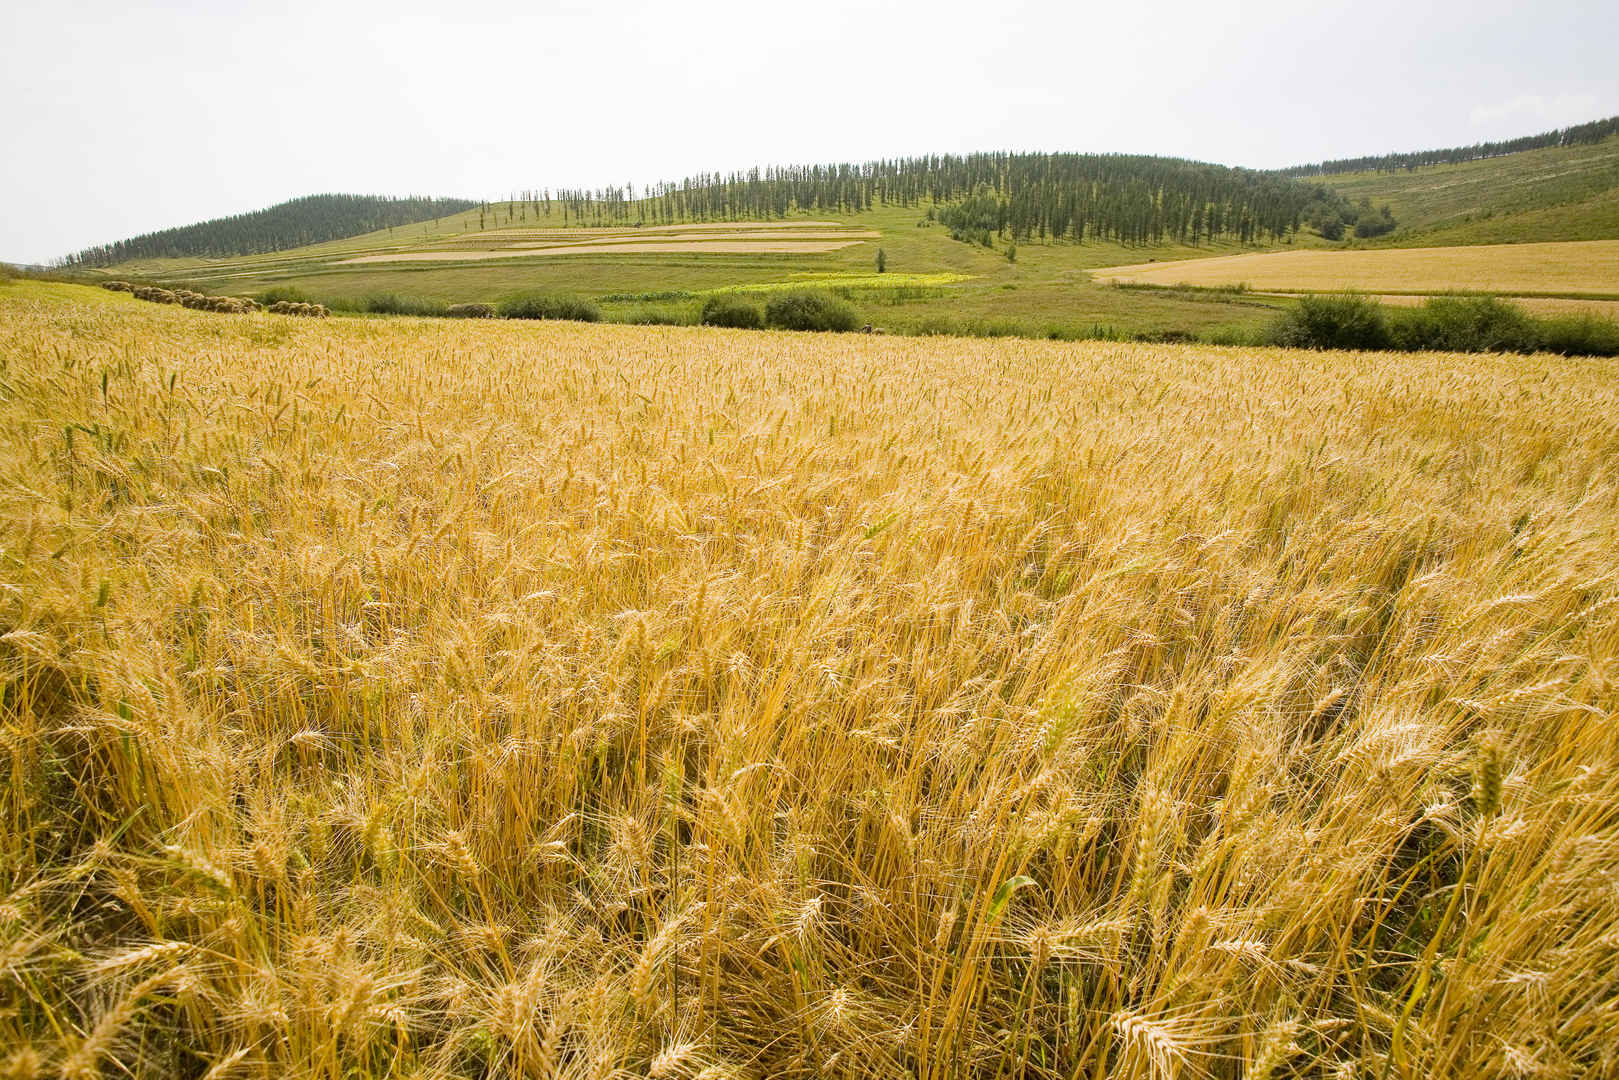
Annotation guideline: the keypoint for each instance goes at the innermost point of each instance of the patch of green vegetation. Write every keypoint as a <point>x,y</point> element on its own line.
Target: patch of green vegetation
<point>548,306</point>
<point>1443,324</point>
<point>733,311</point>
<point>810,309</point>
<point>1557,193</point>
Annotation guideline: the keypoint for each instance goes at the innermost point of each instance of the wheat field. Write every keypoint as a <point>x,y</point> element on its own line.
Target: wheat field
<point>430,699</point>
<point>1566,267</point>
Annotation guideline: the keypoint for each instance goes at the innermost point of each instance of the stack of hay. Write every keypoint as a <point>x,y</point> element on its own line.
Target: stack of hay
<point>293,307</point>
<point>230,305</point>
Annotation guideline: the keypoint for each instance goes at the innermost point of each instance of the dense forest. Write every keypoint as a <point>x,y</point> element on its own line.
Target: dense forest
<point>309,220</point>
<point>1125,198</point>
<point>1578,135</point>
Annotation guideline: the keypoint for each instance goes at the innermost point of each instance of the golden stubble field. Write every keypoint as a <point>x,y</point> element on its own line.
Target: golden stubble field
<point>429,699</point>
<point>1576,266</point>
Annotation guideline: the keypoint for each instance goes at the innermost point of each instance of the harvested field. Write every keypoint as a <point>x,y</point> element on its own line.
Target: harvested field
<point>1585,266</point>
<point>691,238</point>
<point>1535,305</point>
<point>565,233</point>
<point>461,700</point>
<point>702,247</point>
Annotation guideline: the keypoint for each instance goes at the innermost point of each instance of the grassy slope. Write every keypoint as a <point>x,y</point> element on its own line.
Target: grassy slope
<point>1564,193</point>
<point>1046,289</point>
<point>1559,194</point>
<point>423,699</point>
<point>1565,268</point>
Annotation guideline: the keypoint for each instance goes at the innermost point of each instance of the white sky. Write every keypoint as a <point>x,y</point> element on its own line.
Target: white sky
<point>122,117</point>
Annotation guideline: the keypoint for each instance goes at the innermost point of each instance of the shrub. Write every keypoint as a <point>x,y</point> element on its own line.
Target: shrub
<point>806,309</point>
<point>1369,222</point>
<point>733,311</point>
<point>470,311</point>
<point>394,304</point>
<point>648,315</point>
<point>541,306</point>
<point>1580,335</point>
<point>1466,324</point>
<point>1335,321</point>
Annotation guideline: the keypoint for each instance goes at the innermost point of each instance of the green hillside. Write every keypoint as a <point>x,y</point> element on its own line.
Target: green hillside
<point>933,283</point>
<point>294,223</point>
<point>1556,193</point>
<point>984,244</point>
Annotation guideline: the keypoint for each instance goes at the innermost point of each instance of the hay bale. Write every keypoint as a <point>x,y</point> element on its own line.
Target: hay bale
<point>118,286</point>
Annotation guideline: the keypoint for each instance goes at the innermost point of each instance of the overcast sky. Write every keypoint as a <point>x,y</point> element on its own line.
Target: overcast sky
<point>123,117</point>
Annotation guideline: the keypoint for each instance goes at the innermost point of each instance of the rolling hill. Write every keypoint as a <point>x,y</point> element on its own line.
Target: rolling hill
<point>295,223</point>
<point>1551,194</point>
<point>982,244</point>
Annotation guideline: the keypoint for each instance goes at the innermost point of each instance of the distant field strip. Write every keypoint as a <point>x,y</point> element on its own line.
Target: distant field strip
<point>704,247</point>
<point>751,238</point>
<point>1588,266</point>
<point>566,233</point>
<point>1535,305</point>
<point>845,281</point>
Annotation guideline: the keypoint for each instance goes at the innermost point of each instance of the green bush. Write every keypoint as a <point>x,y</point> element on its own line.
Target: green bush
<point>1442,324</point>
<point>394,304</point>
<point>1465,324</point>
<point>1369,222</point>
<point>653,315</point>
<point>1332,321</point>
<point>806,309</point>
<point>470,311</point>
<point>1579,335</point>
<point>544,306</point>
<point>732,311</point>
